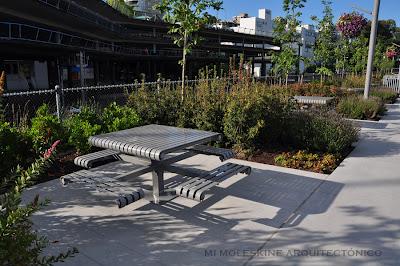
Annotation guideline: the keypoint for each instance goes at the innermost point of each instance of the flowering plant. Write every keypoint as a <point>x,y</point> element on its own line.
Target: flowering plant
<point>19,243</point>
<point>351,24</point>
<point>391,54</point>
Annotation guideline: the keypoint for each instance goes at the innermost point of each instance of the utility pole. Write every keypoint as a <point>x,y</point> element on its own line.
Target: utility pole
<point>371,52</point>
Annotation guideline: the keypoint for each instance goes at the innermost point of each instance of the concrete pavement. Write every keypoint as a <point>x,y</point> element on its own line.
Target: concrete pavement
<point>275,216</point>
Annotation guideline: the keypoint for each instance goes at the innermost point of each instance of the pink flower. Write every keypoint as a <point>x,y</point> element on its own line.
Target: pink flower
<point>391,54</point>
<point>50,151</point>
<point>351,24</point>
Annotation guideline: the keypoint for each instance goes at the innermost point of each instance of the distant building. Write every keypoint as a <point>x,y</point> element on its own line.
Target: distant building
<point>236,19</point>
<point>261,25</point>
<point>305,48</point>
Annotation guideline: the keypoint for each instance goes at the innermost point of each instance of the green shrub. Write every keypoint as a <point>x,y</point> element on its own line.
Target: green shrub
<point>356,107</point>
<point>81,126</point>
<point>15,147</point>
<point>244,119</point>
<point>325,163</point>
<point>386,95</point>
<point>45,128</point>
<point>318,132</point>
<point>168,106</point>
<point>353,82</point>
<point>19,243</point>
<point>115,118</point>
<point>210,105</point>
<point>145,102</point>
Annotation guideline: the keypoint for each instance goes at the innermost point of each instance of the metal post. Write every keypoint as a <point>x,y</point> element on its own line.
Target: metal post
<point>158,184</point>
<point>372,42</point>
<point>58,101</point>
<point>82,74</point>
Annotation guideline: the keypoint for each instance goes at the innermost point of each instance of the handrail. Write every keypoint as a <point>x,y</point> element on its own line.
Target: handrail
<point>25,32</point>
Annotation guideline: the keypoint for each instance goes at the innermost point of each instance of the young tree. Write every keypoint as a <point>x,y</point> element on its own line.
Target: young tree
<point>324,51</point>
<point>350,26</point>
<point>122,7</point>
<point>187,17</point>
<point>285,33</point>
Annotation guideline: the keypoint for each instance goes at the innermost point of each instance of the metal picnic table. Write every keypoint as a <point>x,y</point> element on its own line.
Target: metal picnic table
<point>160,145</point>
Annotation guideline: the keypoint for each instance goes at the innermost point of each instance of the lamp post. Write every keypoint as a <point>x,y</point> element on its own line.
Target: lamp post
<point>371,52</point>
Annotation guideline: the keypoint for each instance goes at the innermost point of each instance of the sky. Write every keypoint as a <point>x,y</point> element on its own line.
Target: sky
<point>389,9</point>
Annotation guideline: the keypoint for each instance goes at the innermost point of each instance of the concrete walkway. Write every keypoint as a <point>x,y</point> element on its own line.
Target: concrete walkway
<point>275,216</point>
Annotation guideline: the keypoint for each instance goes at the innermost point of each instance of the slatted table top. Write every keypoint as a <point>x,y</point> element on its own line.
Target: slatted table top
<point>152,141</point>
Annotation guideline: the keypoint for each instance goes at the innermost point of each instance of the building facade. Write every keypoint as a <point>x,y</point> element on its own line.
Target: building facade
<point>87,42</point>
<point>305,48</point>
<point>261,25</point>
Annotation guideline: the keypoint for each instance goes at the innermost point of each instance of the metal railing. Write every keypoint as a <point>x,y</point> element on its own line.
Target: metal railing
<point>23,32</point>
<point>63,99</point>
<point>392,81</point>
<point>81,12</point>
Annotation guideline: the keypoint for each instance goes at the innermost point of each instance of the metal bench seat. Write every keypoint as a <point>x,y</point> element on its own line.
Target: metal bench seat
<point>97,158</point>
<point>223,154</point>
<point>196,188</point>
<point>107,178</point>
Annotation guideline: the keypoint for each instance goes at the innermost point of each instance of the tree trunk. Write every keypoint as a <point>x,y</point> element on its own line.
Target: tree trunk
<point>184,67</point>
<point>286,80</point>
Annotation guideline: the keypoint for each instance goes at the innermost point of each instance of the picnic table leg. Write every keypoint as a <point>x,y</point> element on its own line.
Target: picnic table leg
<point>158,184</point>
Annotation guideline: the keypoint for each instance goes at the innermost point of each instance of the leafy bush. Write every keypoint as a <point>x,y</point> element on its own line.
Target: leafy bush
<point>45,128</point>
<point>325,163</point>
<point>115,117</point>
<point>81,126</point>
<point>356,107</point>
<point>14,147</point>
<point>145,102</point>
<point>319,132</point>
<point>19,244</point>
<point>386,95</point>
<point>210,105</point>
<point>168,106</point>
<point>244,118</point>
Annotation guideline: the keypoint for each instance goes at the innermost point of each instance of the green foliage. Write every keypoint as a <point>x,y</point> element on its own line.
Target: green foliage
<point>144,101</point>
<point>211,100</point>
<point>19,244</point>
<point>244,118</point>
<point>187,17</point>
<point>285,33</point>
<point>15,147</point>
<point>81,126</point>
<point>356,107</point>
<point>324,50</point>
<point>117,117</point>
<point>284,61</point>
<point>359,50</point>
<point>386,95</point>
<point>325,163</point>
<point>122,7</point>
<point>318,132</point>
<point>353,81</point>
<point>45,128</point>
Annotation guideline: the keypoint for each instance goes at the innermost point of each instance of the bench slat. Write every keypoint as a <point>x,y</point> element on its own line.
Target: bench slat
<point>223,154</point>
<point>105,178</point>
<point>97,158</point>
<point>196,188</point>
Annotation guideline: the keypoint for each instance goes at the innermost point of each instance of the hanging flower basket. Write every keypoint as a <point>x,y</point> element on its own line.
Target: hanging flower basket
<point>351,24</point>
